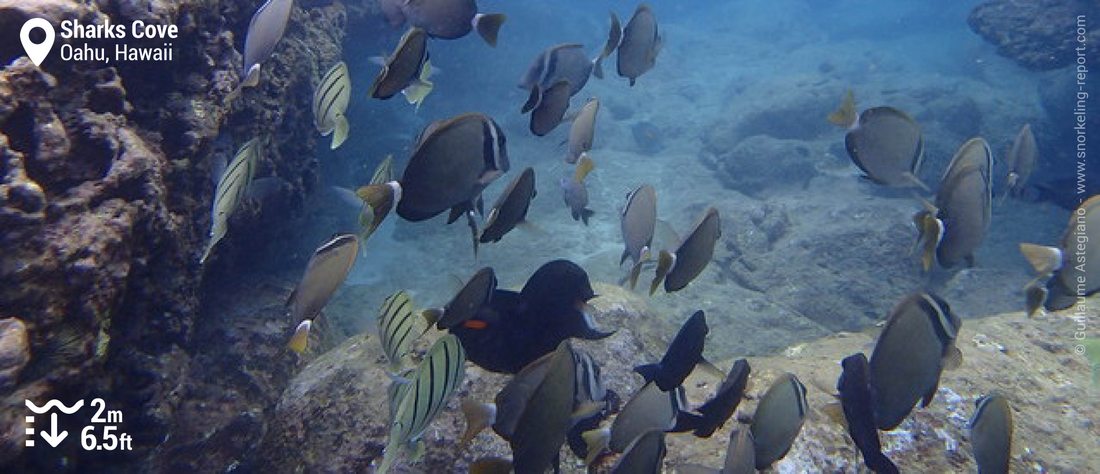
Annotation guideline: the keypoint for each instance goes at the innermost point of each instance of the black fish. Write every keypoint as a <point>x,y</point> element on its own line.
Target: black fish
<point>854,386</point>
<point>716,411</point>
<point>510,208</point>
<point>514,329</point>
<point>681,357</point>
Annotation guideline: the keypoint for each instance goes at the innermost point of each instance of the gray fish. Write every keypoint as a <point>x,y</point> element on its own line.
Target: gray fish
<point>540,427</point>
<point>574,191</point>
<point>963,207</point>
<point>778,419</point>
<point>435,380</point>
<point>715,412</point>
<point>474,294</point>
<point>398,327</point>
<point>649,409</point>
<point>640,44</point>
<point>614,37</point>
<point>646,454</point>
<point>679,268</point>
<point>563,62</point>
<point>405,69</point>
<point>325,273</point>
<point>638,223</point>
<point>264,32</point>
<point>444,19</point>
<point>741,453</point>
<point>231,190</point>
<point>549,109</point>
<point>582,131</point>
<point>917,343</point>
<point>330,102</point>
<point>455,159</point>
<point>886,144</point>
<point>1072,269</point>
<point>991,434</point>
<point>510,208</point>
<point>1021,161</point>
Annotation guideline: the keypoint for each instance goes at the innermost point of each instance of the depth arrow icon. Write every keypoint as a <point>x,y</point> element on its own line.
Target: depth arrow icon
<point>52,436</point>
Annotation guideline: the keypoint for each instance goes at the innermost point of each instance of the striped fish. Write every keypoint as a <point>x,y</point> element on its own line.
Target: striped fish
<point>231,190</point>
<point>398,327</point>
<point>435,380</point>
<point>330,101</point>
<point>384,172</point>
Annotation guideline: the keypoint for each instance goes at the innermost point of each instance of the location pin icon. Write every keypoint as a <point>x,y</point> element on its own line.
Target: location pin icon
<point>37,52</point>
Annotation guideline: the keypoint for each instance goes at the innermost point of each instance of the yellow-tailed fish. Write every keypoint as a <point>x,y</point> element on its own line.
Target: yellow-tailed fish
<point>431,386</point>
<point>264,32</point>
<point>640,44</point>
<point>325,273</point>
<point>330,102</point>
<point>991,434</point>
<point>678,268</point>
<point>1021,161</point>
<point>300,339</point>
<point>230,191</point>
<point>845,115</point>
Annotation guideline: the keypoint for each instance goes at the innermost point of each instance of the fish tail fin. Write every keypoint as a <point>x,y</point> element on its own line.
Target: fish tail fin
<point>340,133</point>
<point>478,417</point>
<point>597,66</point>
<point>206,253</point>
<point>432,315</point>
<point>649,372</point>
<point>417,92</point>
<point>665,261</point>
<point>636,269</point>
<point>1036,294</point>
<point>930,233</point>
<point>300,340</point>
<point>586,214</point>
<point>1044,260</point>
<point>488,26</point>
<point>632,81</point>
<point>596,442</point>
<point>623,257</point>
<point>251,77</point>
<point>585,165</point>
<point>879,463</point>
<point>845,114</point>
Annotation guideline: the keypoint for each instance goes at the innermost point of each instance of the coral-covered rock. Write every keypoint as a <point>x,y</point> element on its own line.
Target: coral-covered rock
<point>1040,34</point>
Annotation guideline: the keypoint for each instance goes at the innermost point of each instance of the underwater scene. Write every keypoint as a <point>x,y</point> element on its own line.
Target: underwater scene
<point>435,236</point>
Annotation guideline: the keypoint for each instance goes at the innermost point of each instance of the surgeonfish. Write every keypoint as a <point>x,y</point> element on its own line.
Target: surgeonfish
<point>444,19</point>
<point>398,327</point>
<point>683,354</point>
<point>231,190</point>
<point>741,452</point>
<point>710,416</point>
<point>574,192</point>
<point>956,225</point>
<point>590,396</point>
<point>884,142</point>
<point>549,107</point>
<point>1072,269</point>
<point>406,70</point>
<point>645,455</point>
<point>916,344</point>
<point>454,160</point>
<point>649,409</point>
<point>1021,161</point>
<point>510,209</point>
<point>991,434</point>
<point>513,329</point>
<point>378,200</point>
<point>300,339</point>
<point>330,102</point>
<point>638,222</point>
<point>677,269</point>
<point>614,37</point>
<point>536,410</point>
<point>264,32</point>
<point>384,172</point>
<point>561,62</point>
<point>325,273</point>
<point>582,131</point>
<point>640,44</point>
<point>854,387</point>
<point>436,378</point>
<point>778,419</point>
<point>476,293</point>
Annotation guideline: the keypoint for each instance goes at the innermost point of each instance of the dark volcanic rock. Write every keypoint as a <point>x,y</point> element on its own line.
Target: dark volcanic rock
<point>105,196</point>
<point>760,163</point>
<point>1038,34</point>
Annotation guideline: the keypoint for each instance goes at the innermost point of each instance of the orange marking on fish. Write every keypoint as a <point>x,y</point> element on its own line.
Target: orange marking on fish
<point>475,324</point>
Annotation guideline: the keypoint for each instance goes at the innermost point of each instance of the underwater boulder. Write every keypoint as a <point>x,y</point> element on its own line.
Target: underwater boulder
<point>761,164</point>
<point>1038,34</point>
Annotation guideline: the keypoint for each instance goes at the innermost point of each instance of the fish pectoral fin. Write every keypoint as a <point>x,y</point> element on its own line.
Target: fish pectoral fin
<point>340,133</point>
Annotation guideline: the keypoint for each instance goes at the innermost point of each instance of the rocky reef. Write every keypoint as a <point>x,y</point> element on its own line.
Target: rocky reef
<point>331,418</point>
<point>1041,34</point>
<point>105,196</point>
